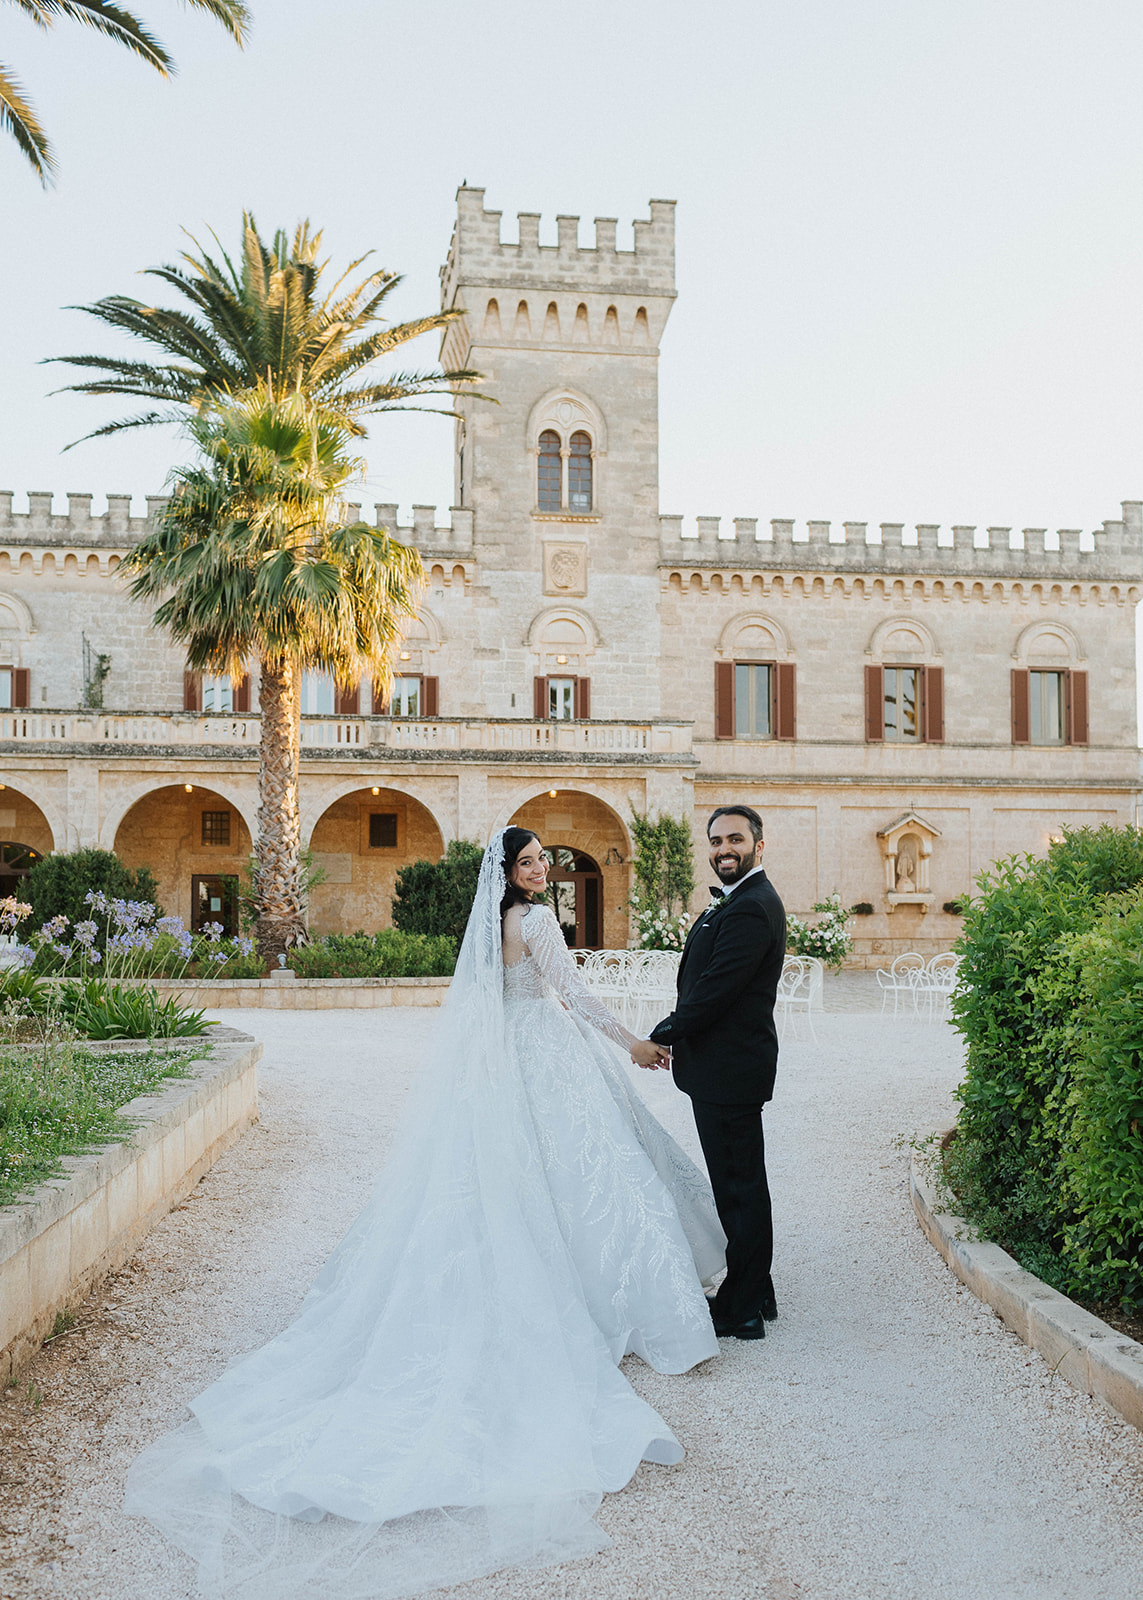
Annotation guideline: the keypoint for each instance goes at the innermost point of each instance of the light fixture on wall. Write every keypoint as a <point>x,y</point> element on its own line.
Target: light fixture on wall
<point>189,787</point>
<point>405,655</point>
<point>552,793</point>
<point>3,785</point>
<point>376,789</point>
<point>561,661</point>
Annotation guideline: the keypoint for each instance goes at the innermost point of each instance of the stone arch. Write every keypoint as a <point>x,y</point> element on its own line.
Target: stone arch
<point>318,798</point>
<point>166,829</point>
<point>1051,644</point>
<point>421,639</point>
<point>903,636</point>
<point>361,840</point>
<point>28,815</point>
<point>566,410</point>
<point>546,625</point>
<point>241,797</point>
<point>16,621</point>
<point>752,634</point>
<point>582,816</point>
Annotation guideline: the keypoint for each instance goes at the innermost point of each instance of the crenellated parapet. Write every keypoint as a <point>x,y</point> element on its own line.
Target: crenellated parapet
<point>77,528</point>
<point>478,255</point>
<point>1111,552</point>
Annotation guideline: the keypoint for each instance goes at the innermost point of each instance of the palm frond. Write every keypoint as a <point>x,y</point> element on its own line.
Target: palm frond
<point>233,15</point>
<point>117,24</point>
<point>18,118</point>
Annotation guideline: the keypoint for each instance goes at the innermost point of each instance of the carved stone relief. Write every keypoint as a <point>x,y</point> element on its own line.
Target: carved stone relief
<point>565,568</point>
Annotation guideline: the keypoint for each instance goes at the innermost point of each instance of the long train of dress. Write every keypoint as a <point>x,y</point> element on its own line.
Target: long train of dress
<point>448,1400</point>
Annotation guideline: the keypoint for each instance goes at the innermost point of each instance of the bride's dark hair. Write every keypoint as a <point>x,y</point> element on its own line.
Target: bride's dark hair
<point>515,840</point>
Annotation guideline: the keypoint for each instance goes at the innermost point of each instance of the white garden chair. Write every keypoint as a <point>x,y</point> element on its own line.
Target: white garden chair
<point>934,986</point>
<point>900,980</point>
<point>795,995</point>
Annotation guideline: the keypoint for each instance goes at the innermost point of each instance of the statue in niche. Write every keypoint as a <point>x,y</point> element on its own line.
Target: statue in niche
<point>906,882</point>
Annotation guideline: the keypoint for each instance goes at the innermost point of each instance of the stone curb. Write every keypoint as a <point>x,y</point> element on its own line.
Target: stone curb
<point>1089,1354</point>
<point>64,1236</point>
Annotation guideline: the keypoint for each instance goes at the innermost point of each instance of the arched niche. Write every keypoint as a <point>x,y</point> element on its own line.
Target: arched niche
<point>905,639</point>
<point>566,411</point>
<point>754,635</point>
<point>1048,644</point>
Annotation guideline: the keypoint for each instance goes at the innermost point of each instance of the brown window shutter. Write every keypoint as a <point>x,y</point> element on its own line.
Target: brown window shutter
<point>583,699</point>
<point>21,686</point>
<point>1076,691</point>
<point>192,691</point>
<point>346,702</point>
<point>430,697</point>
<point>874,704</point>
<point>242,695</point>
<point>785,701</point>
<point>379,698</point>
<point>724,699</point>
<point>934,691</point>
<point>1021,710</point>
<point>539,698</point>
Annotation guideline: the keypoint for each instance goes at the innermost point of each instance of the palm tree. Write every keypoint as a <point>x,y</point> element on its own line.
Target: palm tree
<point>268,322</point>
<point>250,561</point>
<point>17,116</point>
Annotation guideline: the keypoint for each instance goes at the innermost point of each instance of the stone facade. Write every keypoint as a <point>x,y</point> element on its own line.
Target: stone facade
<point>557,586</point>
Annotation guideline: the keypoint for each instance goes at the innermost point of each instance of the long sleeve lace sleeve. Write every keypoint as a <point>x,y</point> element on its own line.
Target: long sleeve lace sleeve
<point>545,944</point>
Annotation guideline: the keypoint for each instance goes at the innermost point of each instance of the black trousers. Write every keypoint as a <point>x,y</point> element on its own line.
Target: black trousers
<point>735,1150</point>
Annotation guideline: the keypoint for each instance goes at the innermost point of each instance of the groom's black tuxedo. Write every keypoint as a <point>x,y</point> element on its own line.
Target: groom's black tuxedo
<point>724,1050</point>
<point>723,1041</point>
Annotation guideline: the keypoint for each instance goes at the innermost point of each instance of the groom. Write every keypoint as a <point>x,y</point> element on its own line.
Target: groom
<point>725,1055</point>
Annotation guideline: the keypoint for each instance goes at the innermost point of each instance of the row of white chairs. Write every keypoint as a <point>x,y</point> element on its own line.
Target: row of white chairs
<point>919,987</point>
<point>639,986</point>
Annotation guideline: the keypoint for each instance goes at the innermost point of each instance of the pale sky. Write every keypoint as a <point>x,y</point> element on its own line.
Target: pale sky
<point>910,232</point>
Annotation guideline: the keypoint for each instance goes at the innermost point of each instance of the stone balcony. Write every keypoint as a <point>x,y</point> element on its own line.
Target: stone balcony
<point>131,733</point>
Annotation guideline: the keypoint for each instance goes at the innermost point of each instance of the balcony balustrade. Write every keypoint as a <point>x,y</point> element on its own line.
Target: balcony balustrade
<point>366,736</point>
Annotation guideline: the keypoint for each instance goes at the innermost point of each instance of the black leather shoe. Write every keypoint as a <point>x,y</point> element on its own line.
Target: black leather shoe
<point>770,1305</point>
<point>755,1328</point>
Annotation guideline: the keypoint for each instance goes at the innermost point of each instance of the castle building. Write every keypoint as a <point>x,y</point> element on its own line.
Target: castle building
<point>904,706</point>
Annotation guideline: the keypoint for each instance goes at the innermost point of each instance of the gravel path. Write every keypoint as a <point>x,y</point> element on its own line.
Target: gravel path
<point>889,1440</point>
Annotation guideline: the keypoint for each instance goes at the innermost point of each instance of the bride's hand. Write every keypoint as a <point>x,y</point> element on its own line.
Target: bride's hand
<point>645,1053</point>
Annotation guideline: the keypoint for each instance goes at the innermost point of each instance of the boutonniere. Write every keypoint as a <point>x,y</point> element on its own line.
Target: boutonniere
<point>715,907</point>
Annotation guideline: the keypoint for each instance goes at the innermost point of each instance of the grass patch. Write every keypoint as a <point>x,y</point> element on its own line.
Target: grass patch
<point>62,1099</point>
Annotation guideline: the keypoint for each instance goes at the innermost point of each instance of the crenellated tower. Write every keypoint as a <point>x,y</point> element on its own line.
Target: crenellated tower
<point>562,474</point>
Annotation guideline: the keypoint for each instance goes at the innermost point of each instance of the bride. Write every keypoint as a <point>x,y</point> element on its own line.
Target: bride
<point>448,1401</point>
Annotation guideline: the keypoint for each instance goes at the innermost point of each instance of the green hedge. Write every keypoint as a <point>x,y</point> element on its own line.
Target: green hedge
<point>57,884</point>
<point>388,954</point>
<point>1048,1159</point>
<point>435,897</point>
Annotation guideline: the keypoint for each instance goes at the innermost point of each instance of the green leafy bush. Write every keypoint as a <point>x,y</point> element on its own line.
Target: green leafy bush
<point>1048,1159</point>
<point>100,1010</point>
<point>60,1101</point>
<point>388,954</point>
<point>57,884</point>
<point>435,897</point>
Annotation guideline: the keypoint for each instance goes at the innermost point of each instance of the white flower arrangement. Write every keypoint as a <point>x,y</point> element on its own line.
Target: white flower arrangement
<point>828,939</point>
<point>655,930</point>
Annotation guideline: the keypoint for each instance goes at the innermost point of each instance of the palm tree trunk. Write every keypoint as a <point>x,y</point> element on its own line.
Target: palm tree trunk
<point>281,903</point>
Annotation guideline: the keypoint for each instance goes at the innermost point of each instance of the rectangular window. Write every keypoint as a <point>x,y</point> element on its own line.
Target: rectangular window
<point>217,694</point>
<point>216,827</point>
<point>5,688</point>
<point>900,699</point>
<point>14,691</point>
<point>561,699</point>
<point>405,700</point>
<point>1047,722</point>
<point>317,694</point>
<point>382,830</point>
<point>753,701</point>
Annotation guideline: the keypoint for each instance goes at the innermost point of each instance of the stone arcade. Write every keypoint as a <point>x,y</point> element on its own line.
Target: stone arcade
<point>904,706</point>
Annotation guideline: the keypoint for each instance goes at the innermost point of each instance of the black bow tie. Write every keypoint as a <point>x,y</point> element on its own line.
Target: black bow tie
<point>717,892</point>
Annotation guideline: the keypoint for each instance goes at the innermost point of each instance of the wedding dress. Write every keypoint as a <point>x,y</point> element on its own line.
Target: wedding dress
<point>448,1401</point>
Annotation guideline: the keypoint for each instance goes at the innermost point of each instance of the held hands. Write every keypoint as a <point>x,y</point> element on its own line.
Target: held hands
<point>646,1054</point>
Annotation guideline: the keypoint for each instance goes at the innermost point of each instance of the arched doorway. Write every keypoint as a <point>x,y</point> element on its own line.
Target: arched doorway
<point>577,896</point>
<point>16,861</point>
<point>198,846</point>
<point>590,851</point>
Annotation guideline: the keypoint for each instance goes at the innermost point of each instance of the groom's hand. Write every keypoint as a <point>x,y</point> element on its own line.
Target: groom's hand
<point>646,1054</point>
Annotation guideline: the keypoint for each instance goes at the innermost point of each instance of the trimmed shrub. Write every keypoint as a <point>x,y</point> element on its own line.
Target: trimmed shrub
<point>391,953</point>
<point>435,897</point>
<point>57,884</point>
<point>1048,1158</point>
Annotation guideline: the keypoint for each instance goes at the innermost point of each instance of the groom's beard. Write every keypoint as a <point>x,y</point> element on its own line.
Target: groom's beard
<point>746,864</point>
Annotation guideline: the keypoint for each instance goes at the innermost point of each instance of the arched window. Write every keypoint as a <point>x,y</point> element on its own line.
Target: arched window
<point>548,472</point>
<point>579,473</point>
